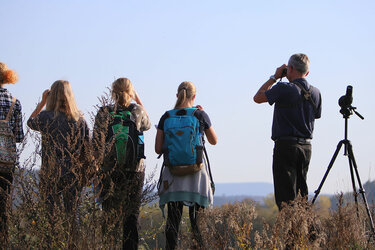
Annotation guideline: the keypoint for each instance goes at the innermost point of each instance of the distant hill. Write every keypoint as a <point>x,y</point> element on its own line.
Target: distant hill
<point>244,189</point>
<point>257,191</point>
<point>234,192</point>
<point>369,188</point>
<point>221,200</point>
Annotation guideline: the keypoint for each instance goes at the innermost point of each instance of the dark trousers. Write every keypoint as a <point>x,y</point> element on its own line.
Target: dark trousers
<point>124,201</point>
<point>290,165</point>
<point>173,223</point>
<point>6,180</point>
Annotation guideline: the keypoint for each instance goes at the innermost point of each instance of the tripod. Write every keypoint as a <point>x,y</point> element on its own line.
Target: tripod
<point>348,151</point>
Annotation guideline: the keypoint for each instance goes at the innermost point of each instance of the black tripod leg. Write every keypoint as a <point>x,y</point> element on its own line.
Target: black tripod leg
<point>361,190</point>
<point>355,193</point>
<point>328,169</point>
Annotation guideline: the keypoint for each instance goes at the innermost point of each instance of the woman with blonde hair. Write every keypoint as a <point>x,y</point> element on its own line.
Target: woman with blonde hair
<point>186,178</point>
<point>65,138</point>
<point>118,142</point>
<point>11,113</point>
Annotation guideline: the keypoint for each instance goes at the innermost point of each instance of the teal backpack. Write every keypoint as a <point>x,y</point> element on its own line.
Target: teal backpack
<point>183,145</point>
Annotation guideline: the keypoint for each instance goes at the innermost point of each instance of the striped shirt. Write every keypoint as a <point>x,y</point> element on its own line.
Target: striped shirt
<point>16,118</point>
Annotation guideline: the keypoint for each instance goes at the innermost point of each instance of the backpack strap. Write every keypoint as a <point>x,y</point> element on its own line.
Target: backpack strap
<point>130,107</point>
<point>191,111</point>
<point>11,109</point>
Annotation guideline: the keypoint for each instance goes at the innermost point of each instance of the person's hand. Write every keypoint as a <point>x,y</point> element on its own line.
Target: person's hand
<point>136,98</point>
<point>199,107</point>
<point>133,95</point>
<point>40,105</point>
<point>45,96</point>
<point>279,71</point>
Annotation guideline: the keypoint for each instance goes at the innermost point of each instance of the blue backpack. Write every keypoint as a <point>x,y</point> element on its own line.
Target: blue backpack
<point>183,145</point>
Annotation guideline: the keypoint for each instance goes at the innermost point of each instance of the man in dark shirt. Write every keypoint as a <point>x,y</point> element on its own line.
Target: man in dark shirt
<point>297,105</point>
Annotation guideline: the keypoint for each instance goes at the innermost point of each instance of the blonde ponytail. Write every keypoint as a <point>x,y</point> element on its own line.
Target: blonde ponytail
<point>122,91</point>
<point>186,90</point>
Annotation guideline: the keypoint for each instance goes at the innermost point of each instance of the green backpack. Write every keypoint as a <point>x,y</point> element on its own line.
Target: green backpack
<point>127,140</point>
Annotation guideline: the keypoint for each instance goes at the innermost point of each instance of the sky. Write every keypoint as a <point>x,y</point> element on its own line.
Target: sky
<point>228,49</point>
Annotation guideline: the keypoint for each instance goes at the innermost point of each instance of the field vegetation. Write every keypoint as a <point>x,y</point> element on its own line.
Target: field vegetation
<point>242,225</point>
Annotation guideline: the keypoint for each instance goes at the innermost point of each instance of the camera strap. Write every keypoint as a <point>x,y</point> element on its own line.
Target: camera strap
<point>307,94</point>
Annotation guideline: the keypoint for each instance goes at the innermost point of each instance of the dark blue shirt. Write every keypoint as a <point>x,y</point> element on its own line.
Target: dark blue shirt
<point>293,116</point>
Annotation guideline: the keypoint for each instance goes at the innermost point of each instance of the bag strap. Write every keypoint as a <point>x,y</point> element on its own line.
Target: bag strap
<point>307,94</point>
<point>11,109</point>
<point>209,169</point>
<point>158,185</point>
<point>130,107</point>
<point>208,163</point>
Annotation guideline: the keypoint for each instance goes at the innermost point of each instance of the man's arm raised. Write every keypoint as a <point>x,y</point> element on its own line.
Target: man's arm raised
<point>260,96</point>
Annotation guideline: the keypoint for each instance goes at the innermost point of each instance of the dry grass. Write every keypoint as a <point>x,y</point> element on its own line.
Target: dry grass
<point>300,226</point>
<point>50,209</point>
<point>36,224</point>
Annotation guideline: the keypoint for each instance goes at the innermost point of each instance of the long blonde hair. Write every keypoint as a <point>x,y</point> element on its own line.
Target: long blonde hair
<point>186,90</point>
<point>61,99</point>
<point>7,75</point>
<point>122,91</point>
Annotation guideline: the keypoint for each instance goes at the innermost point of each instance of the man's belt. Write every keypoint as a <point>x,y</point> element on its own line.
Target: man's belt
<point>293,138</point>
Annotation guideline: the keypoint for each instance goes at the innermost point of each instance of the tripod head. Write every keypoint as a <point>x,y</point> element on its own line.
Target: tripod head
<point>345,103</point>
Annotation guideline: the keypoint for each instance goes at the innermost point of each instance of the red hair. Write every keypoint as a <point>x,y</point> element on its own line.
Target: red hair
<point>7,75</point>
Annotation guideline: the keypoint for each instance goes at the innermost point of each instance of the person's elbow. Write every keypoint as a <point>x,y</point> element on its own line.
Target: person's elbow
<point>260,98</point>
<point>158,150</point>
<point>159,139</point>
<point>212,141</point>
<point>211,136</point>
<point>158,147</point>
<point>256,99</point>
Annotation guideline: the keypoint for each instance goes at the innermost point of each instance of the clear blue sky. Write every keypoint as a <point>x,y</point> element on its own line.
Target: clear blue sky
<point>227,48</point>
